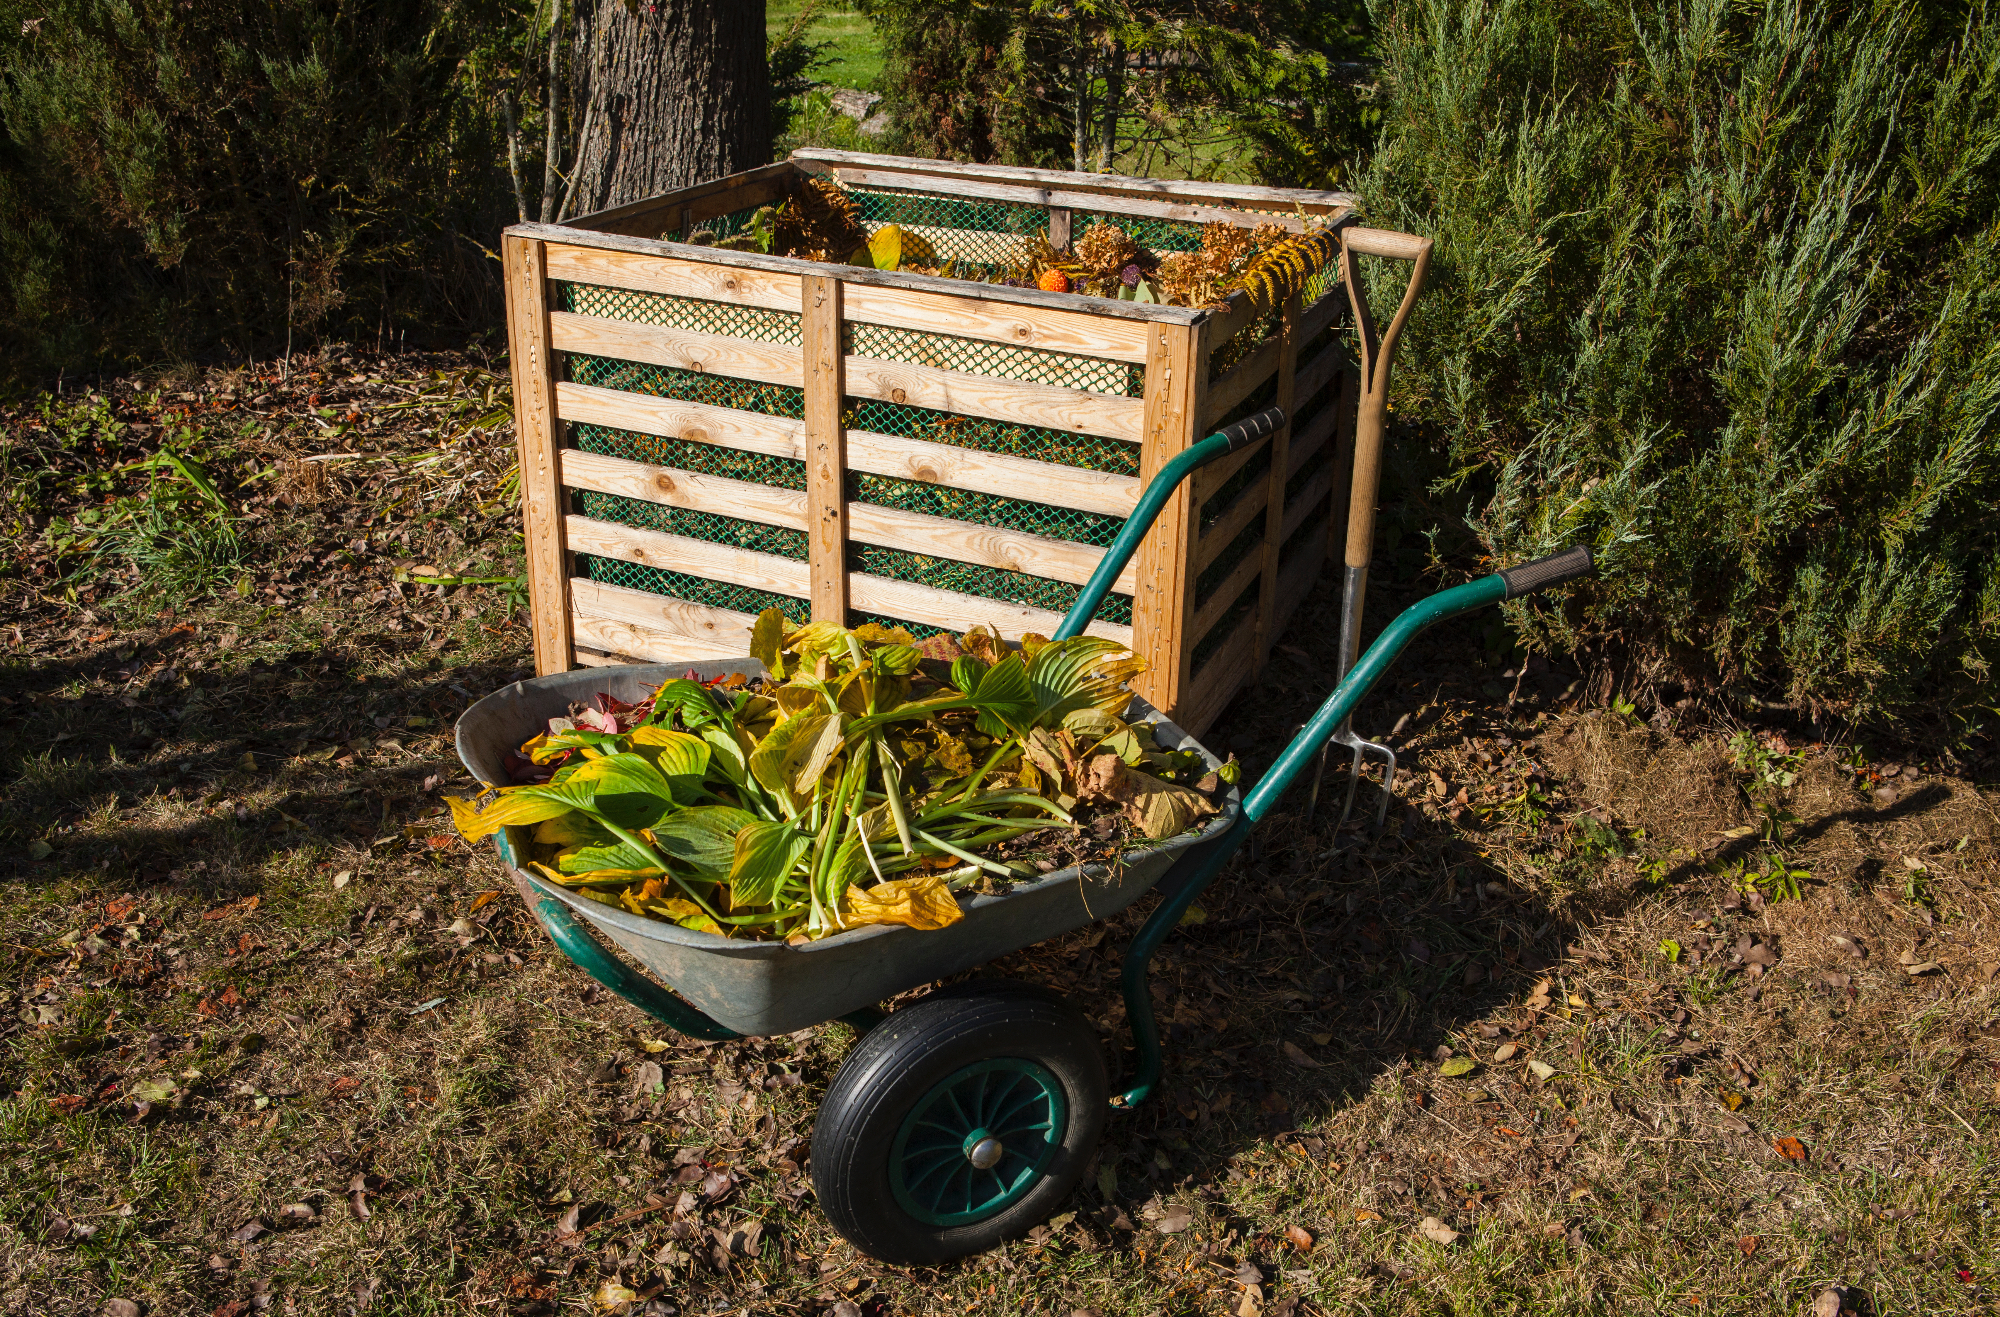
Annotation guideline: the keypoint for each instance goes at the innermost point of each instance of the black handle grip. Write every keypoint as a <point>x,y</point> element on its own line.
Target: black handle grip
<point>1545,572</point>
<point>1252,428</point>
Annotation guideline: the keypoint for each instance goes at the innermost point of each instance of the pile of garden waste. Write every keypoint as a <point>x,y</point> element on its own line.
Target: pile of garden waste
<point>865,779</point>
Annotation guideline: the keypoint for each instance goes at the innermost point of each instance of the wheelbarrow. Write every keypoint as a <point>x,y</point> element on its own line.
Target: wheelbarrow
<point>963,1118</point>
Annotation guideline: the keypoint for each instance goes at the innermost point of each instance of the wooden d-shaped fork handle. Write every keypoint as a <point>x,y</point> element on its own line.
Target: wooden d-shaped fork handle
<point>1376,357</point>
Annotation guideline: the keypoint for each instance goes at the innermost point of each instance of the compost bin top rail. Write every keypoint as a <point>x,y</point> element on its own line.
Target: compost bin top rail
<point>1172,190</point>
<point>856,274</point>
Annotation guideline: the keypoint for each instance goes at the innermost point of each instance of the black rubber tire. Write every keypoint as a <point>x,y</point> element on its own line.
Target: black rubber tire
<point>900,1060</point>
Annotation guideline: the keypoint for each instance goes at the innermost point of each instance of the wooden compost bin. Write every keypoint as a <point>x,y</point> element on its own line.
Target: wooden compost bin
<point>705,433</point>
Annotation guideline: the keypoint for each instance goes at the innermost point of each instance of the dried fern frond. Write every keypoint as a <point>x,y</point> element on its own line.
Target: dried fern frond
<point>1285,267</point>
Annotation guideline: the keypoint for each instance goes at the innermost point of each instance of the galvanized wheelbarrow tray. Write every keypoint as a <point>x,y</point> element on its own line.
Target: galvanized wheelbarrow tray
<point>965,1117</point>
<point>764,988</point>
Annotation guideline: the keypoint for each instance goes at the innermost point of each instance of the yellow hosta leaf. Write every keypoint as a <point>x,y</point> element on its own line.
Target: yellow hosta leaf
<point>601,877</point>
<point>885,247</point>
<point>476,824</point>
<point>924,901</point>
<point>685,913</point>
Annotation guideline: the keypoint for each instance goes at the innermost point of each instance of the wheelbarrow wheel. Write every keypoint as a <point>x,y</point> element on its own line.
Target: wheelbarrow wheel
<point>958,1122</point>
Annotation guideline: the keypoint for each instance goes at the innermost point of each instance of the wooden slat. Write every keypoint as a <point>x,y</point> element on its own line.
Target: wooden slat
<point>854,275</point>
<point>684,489</point>
<point>904,308</point>
<point>988,546</point>
<point>826,449</point>
<point>538,440</point>
<point>682,349</point>
<point>1309,440</point>
<point>1218,604</point>
<point>1287,341</point>
<point>961,612</point>
<point>681,553</point>
<point>1244,509</point>
<point>674,277</point>
<point>880,454</point>
<point>1022,326</point>
<point>1242,380</point>
<point>1027,194</point>
<point>1221,326</point>
<point>1164,578</point>
<point>1309,499</point>
<point>1234,194</point>
<point>1321,371</point>
<point>725,630</point>
<point>775,436</point>
<point>1217,473</point>
<point>1297,580</point>
<point>622,643</point>
<point>1059,227</point>
<point>1076,410</point>
<point>1219,680</point>
<point>1315,318</point>
<point>651,216</point>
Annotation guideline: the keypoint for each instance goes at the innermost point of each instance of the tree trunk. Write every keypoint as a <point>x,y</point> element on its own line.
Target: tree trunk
<point>1114,103</point>
<point>669,94</point>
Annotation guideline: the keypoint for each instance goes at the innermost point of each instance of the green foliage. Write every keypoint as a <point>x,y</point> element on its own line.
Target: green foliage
<point>1261,89</point>
<point>1717,289</point>
<point>176,175</point>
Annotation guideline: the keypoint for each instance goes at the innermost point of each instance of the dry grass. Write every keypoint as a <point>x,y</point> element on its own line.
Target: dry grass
<point>348,1043</point>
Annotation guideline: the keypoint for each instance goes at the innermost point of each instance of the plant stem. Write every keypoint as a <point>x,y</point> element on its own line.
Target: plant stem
<point>660,863</point>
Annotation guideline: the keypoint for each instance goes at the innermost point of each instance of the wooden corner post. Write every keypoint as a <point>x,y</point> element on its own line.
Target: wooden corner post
<point>826,447</point>
<point>1163,581</point>
<point>540,442</point>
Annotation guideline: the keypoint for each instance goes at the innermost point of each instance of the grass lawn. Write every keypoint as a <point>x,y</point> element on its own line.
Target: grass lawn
<point>276,1040</point>
<point>854,58</point>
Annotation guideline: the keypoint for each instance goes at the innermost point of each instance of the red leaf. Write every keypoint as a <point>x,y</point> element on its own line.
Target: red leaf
<point>1790,1149</point>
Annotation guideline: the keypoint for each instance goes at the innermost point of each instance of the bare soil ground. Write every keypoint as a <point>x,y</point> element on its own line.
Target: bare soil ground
<point>271,1041</point>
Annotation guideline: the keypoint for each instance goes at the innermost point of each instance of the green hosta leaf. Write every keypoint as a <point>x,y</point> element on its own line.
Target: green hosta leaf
<point>1005,698</point>
<point>726,753</point>
<point>966,672</point>
<point>604,855</point>
<point>765,856</point>
<point>626,789</point>
<point>704,837</point>
<point>689,700</point>
<point>681,758</point>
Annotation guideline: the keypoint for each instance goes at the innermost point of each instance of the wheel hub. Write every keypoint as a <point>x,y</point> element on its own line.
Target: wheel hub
<point>983,1150</point>
<point>978,1141</point>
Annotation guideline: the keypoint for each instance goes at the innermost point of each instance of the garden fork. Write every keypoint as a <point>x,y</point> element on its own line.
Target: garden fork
<point>1370,420</point>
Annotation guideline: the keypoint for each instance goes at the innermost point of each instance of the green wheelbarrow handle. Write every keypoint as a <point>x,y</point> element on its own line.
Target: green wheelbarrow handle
<point>1525,579</point>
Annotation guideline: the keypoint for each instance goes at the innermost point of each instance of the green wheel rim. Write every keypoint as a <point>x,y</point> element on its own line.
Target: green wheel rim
<point>934,1168</point>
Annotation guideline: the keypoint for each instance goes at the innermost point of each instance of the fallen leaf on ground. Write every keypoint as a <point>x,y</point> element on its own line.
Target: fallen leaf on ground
<point>1734,1124</point>
<point>1107,1180</point>
<point>300,1212</point>
<point>1790,1149</point>
<point>154,1090</point>
<point>1436,1231</point>
<point>120,1308</point>
<point>1827,1303</point>
<point>613,1293</point>
<point>248,1231</point>
<point>1748,1243</point>
<point>1174,1220</point>
<point>1541,1069</point>
<point>1734,1101</point>
<point>1296,1055</point>
<point>1300,1238</point>
<point>1458,1065</point>
<point>1505,1052</point>
<point>1362,1216</point>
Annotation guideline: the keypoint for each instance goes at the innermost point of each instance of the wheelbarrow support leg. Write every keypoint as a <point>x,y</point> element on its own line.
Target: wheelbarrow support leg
<point>1270,788</point>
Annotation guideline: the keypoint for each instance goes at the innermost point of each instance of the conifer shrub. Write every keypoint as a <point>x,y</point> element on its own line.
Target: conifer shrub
<point>181,178</point>
<point>1717,289</point>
